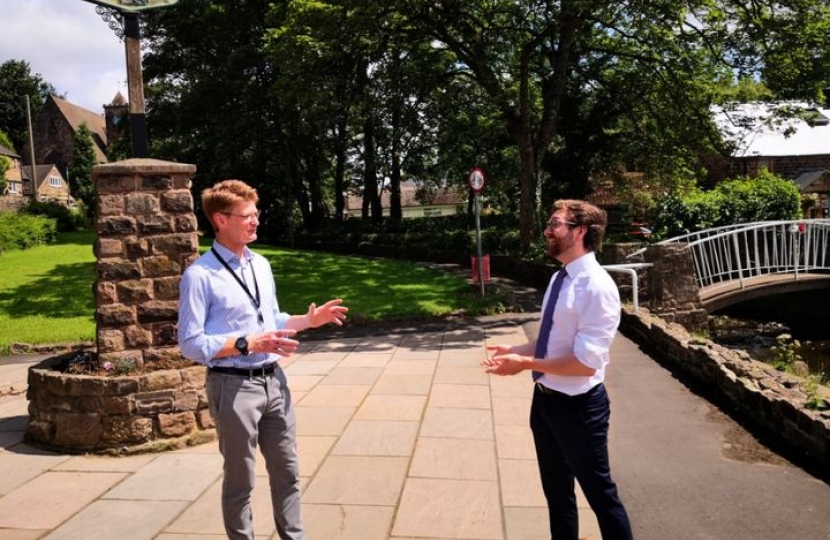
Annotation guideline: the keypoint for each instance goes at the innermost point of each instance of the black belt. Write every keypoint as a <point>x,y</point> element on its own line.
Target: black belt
<point>267,369</point>
<point>551,392</point>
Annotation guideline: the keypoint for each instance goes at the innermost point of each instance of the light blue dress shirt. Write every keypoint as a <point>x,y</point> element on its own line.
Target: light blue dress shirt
<point>213,306</point>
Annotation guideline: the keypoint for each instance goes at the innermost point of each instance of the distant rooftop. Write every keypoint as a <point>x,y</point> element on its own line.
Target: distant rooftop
<point>775,129</point>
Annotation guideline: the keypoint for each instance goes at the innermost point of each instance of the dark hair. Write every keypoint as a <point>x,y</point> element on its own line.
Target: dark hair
<point>583,213</point>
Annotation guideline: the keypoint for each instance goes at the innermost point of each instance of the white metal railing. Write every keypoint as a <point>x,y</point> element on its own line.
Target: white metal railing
<point>738,253</point>
<point>631,270</point>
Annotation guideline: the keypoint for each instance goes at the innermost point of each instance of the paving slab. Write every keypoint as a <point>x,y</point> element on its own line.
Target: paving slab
<point>381,407</point>
<point>204,515</point>
<point>53,497</point>
<point>172,476</point>
<point>402,437</point>
<point>460,459</point>
<point>347,522</point>
<point>124,520</point>
<point>377,438</point>
<point>446,508</point>
<point>458,423</point>
<point>360,480</point>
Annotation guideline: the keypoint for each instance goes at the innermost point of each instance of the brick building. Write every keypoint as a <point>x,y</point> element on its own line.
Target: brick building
<point>55,127</point>
<point>790,139</point>
<point>50,185</point>
<point>444,201</point>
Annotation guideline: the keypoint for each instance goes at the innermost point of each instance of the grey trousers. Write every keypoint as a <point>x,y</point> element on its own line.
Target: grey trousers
<point>250,411</point>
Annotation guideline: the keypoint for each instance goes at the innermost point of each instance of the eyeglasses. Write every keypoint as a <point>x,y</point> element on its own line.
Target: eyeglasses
<point>245,217</point>
<point>555,223</point>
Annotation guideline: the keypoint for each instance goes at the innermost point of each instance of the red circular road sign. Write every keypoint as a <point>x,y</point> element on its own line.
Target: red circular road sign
<point>476,180</point>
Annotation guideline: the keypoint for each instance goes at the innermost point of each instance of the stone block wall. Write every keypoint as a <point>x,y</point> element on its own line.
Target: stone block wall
<point>146,237</point>
<point>773,401</point>
<point>672,287</point>
<point>155,411</point>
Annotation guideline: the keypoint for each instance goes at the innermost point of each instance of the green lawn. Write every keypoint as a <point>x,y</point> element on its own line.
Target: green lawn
<point>46,292</point>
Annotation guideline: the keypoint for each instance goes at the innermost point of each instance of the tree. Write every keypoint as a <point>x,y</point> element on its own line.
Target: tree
<point>308,99</point>
<point>80,175</point>
<point>648,67</point>
<point>17,81</point>
<point>211,100</point>
<point>5,163</point>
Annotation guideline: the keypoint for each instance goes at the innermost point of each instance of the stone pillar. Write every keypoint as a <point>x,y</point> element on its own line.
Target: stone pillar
<point>146,237</point>
<point>674,294</point>
<point>617,254</point>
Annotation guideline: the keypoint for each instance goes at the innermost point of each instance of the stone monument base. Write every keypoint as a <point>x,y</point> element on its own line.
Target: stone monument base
<point>150,412</point>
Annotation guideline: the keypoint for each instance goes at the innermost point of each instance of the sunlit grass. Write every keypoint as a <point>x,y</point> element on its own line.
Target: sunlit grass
<point>46,293</point>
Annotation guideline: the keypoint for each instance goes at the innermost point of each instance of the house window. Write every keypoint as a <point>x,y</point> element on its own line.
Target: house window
<point>54,181</point>
<point>12,187</point>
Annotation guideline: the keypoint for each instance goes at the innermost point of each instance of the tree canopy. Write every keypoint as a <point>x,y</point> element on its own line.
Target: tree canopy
<point>16,82</point>
<point>309,100</point>
<point>80,175</point>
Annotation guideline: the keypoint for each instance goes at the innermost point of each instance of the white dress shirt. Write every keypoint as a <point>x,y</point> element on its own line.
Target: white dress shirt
<point>585,322</point>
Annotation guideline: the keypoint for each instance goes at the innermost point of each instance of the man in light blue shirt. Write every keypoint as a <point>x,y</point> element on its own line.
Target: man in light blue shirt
<point>230,321</point>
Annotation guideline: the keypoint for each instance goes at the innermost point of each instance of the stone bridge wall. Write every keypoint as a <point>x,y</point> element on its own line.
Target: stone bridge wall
<point>773,401</point>
<point>668,287</point>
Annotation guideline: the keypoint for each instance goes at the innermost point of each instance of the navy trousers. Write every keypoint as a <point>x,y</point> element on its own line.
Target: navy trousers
<point>571,436</point>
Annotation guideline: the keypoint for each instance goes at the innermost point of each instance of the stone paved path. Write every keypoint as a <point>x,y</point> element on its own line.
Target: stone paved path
<point>401,436</point>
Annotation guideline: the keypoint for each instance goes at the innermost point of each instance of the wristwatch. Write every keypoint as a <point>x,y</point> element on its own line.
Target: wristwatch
<point>241,345</point>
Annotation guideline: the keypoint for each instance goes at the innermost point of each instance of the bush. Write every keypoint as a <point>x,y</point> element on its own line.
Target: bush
<point>766,197</point>
<point>22,230</point>
<point>67,219</point>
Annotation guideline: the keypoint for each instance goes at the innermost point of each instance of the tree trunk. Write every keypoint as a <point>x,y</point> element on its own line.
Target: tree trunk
<point>340,170</point>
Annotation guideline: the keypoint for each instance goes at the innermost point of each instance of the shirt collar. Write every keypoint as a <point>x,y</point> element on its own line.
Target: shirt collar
<point>229,255</point>
<point>582,262</point>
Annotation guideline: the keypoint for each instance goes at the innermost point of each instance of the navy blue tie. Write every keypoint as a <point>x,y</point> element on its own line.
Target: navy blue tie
<point>547,320</point>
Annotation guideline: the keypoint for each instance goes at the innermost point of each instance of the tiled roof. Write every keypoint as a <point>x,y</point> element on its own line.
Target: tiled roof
<point>76,116</point>
<point>806,179</point>
<point>770,129</point>
<point>8,152</point>
<point>40,170</point>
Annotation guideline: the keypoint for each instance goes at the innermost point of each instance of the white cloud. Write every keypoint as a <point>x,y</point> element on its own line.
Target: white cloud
<point>69,45</point>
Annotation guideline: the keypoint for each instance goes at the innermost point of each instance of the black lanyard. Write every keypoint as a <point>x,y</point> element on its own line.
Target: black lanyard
<point>242,283</point>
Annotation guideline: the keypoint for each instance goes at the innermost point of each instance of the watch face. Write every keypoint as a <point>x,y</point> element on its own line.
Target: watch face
<point>242,345</point>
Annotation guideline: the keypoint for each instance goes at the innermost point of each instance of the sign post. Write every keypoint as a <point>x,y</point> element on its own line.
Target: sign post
<point>129,10</point>
<point>476,183</point>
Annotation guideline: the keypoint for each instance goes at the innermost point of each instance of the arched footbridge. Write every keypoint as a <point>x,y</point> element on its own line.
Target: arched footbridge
<point>739,262</point>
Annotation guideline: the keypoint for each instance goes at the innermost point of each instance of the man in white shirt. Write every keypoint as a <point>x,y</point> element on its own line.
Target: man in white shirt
<point>570,409</point>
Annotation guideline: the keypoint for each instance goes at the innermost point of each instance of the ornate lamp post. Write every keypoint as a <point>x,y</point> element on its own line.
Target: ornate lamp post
<point>127,11</point>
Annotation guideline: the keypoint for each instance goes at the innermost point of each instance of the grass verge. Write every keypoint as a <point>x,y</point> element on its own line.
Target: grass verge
<point>46,293</point>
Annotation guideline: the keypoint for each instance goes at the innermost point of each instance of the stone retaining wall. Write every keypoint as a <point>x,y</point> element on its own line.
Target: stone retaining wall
<point>157,411</point>
<point>774,401</point>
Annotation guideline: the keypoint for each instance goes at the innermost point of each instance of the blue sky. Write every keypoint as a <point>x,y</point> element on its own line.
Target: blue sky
<point>69,45</point>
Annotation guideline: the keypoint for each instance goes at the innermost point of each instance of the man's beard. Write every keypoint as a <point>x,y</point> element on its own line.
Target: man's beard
<point>557,246</point>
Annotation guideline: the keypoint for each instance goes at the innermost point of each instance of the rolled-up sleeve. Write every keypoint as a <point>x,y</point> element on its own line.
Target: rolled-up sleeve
<point>194,297</point>
<point>599,317</point>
